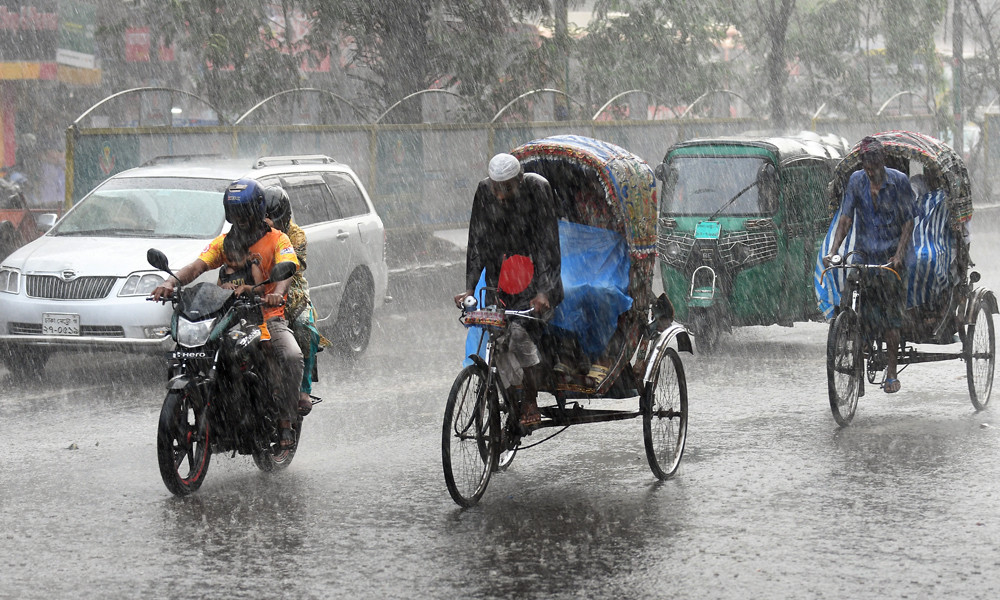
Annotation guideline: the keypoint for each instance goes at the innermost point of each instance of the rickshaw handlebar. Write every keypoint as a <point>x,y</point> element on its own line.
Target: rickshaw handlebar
<point>490,317</point>
<point>861,266</point>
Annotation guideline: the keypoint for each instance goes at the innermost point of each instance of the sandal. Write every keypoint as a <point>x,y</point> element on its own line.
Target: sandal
<point>305,404</point>
<point>891,385</point>
<point>530,415</point>
<point>286,437</point>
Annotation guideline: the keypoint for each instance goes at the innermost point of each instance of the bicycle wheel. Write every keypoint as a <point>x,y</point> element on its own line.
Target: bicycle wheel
<point>980,354</point>
<point>844,362</point>
<point>470,438</point>
<point>664,408</point>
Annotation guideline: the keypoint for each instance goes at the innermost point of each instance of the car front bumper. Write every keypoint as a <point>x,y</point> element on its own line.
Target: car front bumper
<point>130,324</point>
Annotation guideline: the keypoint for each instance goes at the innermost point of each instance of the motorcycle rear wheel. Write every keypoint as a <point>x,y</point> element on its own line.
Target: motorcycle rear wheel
<point>182,442</point>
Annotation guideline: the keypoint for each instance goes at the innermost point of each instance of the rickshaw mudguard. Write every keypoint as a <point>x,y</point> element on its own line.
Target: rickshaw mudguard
<point>479,361</point>
<point>984,294</point>
<point>674,331</point>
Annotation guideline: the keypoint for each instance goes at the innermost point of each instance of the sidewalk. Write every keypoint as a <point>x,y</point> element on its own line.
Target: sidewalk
<point>445,248</point>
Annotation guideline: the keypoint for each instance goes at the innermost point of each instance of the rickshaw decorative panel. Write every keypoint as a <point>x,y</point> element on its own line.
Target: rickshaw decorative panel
<point>627,180</point>
<point>938,160</point>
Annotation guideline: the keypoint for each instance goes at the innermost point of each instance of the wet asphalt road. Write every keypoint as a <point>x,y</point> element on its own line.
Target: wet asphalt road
<point>772,500</point>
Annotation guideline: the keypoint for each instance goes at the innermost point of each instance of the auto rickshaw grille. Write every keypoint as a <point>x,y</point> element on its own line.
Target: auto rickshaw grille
<point>678,258</point>
<point>81,288</point>
<point>762,245</point>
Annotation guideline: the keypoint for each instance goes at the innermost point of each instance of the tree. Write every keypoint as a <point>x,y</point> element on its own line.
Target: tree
<point>237,51</point>
<point>847,54</point>
<point>668,47</point>
<point>401,48</point>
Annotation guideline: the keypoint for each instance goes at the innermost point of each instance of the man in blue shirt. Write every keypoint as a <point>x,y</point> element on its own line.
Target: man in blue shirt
<point>881,202</point>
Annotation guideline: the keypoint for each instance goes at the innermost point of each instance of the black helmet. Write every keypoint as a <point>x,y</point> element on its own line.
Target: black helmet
<point>279,209</point>
<point>244,202</point>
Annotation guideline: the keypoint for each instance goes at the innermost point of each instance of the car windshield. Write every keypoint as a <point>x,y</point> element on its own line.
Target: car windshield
<point>701,185</point>
<point>155,207</point>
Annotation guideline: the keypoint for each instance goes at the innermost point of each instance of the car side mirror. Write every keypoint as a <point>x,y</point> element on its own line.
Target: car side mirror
<point>157,260</point>
<point>45,221</point>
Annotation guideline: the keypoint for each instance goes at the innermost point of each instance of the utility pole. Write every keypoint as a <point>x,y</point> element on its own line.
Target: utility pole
<point>956,75</point>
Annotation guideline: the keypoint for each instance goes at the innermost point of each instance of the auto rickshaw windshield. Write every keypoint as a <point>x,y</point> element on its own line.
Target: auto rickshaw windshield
<point>701,185</point>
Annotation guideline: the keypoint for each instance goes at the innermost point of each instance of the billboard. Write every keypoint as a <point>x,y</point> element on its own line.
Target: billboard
<point>29,30</point>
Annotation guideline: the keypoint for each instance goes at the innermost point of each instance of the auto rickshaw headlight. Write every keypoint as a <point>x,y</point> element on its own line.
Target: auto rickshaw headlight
<point>672,251</point>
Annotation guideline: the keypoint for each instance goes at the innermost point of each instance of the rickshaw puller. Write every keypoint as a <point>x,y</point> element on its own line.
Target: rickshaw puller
<point>514,236</point>
<point>882,201</point>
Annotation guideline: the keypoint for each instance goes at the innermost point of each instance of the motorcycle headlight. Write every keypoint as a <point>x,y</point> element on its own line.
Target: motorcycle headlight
<point>192,334</point>
<point>140,285</point>
<point>10,280</point>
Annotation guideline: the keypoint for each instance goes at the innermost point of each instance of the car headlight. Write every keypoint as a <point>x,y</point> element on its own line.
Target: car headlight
<point>10,280</point>
<point>192,334</point>
<point>140,285</point>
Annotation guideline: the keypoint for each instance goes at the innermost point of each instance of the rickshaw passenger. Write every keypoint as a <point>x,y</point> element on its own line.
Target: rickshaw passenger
<point>881,200</point>
<point>514,236</point>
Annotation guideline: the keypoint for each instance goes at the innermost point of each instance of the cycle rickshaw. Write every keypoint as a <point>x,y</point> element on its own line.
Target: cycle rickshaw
<point>606,199</point>
<point>943,305</point>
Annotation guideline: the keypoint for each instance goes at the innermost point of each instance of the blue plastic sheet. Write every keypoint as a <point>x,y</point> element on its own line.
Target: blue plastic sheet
<point>929,260</point>
<point>474,342</point>
<point>595,269</point>
<point>595,277</point>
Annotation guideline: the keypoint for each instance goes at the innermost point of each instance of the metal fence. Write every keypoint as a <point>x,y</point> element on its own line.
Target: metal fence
<point>419,176</point>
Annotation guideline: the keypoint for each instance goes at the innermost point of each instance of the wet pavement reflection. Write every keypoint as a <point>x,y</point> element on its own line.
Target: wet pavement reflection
<point>772,500</point>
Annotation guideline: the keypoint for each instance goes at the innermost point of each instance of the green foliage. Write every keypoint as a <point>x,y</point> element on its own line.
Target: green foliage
<point>855,53</point>
<point>668,47</point>
<point>236,52</point>
<point>482,50</point>
<point>400,48</point>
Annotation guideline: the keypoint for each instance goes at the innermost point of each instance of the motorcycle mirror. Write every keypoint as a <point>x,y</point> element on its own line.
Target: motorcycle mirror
<point>158,260</point>
<point>282,271</point>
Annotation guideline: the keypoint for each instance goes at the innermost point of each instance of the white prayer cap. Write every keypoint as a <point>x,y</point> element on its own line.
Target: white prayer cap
<point>504,167</point>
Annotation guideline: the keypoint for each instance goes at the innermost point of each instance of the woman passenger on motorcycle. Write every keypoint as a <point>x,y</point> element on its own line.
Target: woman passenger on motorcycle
<point>245,208</point>
<point>299,310</point>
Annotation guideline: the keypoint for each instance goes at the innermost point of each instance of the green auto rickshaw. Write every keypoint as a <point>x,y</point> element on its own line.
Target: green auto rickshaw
<point>740,222</point>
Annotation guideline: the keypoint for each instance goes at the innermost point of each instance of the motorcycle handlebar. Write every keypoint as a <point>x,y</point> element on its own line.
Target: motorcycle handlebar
<point>173,297</point>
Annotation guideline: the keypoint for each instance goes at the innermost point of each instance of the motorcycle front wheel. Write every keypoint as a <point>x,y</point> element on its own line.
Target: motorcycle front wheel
<point>182,442</point>
<point>273,457</point>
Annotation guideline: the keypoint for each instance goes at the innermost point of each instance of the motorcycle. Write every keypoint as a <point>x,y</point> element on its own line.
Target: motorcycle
<point>219,398</point>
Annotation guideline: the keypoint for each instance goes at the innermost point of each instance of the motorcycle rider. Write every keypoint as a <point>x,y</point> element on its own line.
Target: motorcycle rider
<point>245,208</point>
<point>299,310</point>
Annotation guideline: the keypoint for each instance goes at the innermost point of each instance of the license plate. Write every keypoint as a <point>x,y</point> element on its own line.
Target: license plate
<point>60,324</point>
<point>708,230</point>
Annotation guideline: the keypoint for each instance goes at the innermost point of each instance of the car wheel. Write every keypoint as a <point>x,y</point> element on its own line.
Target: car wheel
<point>354,321</point>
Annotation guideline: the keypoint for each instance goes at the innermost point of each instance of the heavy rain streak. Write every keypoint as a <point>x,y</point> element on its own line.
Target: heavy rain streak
<point>499,299</point>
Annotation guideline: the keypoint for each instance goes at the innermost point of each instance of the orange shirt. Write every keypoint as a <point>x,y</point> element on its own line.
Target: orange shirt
<point>271,249</point>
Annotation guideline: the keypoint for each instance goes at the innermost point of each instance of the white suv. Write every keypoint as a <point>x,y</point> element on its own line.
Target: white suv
<point>85,282</point>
